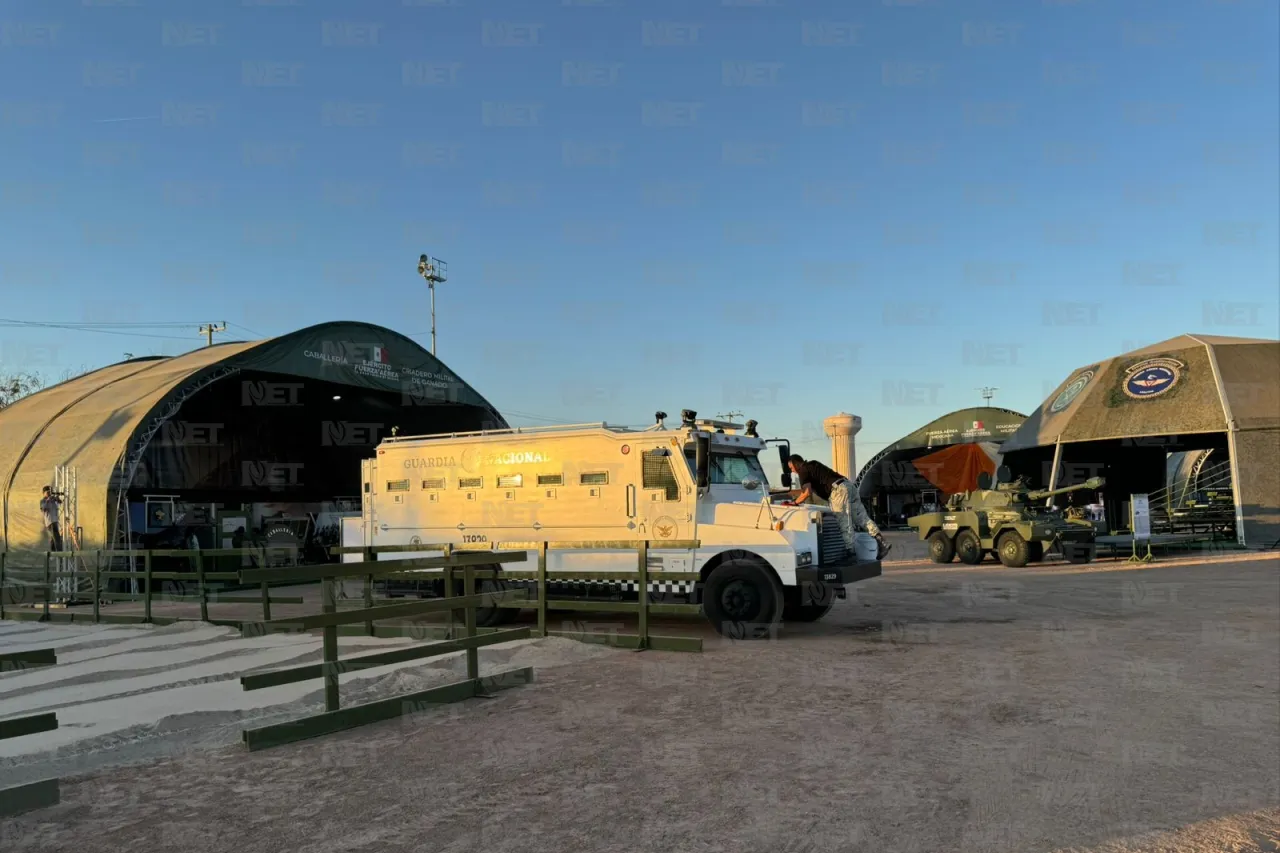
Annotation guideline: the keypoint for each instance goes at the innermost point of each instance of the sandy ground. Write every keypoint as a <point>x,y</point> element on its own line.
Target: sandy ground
<point>1112,710</point>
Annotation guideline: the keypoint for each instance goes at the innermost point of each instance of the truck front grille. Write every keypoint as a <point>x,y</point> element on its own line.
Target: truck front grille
<point>831,547</point>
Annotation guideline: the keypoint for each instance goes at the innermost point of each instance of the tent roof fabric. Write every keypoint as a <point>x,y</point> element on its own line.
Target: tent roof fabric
<point>1168,388</point>
<point>88,422</point>
<point>977,425</point>
<point>964,426</point>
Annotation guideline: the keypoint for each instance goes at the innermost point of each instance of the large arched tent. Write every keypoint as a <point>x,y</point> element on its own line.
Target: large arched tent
<point>286,418</point>
<point>1121,418</point>
<point>945,455</point>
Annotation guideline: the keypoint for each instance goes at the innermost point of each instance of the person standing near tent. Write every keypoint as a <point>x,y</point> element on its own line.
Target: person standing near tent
<point>49,504</point>
<point>818,479</point>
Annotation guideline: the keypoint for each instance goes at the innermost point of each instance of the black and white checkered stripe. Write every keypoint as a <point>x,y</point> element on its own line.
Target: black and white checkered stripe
<point>586,586</point>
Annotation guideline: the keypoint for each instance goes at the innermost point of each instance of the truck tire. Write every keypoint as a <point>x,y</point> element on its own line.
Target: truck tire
<point>490,617</point>
<point>941,548</point>
<point>969,547</point>
<point>1013,549</point>
<point>742,600</point>
<point>795,610</point>
<point>1079,553</point>
<point>1037,551</point>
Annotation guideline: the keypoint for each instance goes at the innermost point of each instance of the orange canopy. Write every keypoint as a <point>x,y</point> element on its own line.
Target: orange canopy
<point>956,468</point>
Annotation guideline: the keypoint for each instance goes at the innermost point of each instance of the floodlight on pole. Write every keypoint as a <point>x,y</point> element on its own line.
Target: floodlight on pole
<point>987,393</point>
<point>432,270</point>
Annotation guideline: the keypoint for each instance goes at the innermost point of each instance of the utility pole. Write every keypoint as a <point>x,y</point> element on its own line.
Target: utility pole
<point>209,328</point>
<point>987,394</point>
<point>432,270</point>
<point>729,416</point>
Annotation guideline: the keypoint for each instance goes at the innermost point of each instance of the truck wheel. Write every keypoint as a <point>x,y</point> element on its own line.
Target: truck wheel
<point>1037,551</point>
<point>490,617</point>
<point>1079,553</point>
<point>742,600</point>
<point>795,610</point>
<point>1013,550</point>
<point>941,548</point>
<point>969,547</point>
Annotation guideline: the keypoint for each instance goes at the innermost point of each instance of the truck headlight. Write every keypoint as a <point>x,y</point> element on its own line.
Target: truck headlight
<point>804,558</point>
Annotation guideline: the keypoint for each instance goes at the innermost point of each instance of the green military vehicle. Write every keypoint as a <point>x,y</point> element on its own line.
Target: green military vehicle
<point>1006,520</point>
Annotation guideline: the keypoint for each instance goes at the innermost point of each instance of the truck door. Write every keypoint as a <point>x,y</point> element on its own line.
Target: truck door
<point>662,509</point>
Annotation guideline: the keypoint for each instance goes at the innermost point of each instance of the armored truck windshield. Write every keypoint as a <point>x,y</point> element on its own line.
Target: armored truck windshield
<point>730,467</point>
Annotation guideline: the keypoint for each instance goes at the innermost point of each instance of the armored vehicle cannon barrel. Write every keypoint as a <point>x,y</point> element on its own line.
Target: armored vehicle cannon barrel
<point>1091,483</point>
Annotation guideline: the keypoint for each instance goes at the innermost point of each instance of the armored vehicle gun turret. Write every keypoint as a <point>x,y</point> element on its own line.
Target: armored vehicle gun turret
<point>1008,519</point>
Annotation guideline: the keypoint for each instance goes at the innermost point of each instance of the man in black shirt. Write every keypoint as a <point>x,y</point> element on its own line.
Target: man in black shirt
<point>817,479</point>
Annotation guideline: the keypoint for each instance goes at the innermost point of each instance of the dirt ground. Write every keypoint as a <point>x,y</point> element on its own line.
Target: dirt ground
<point>1103,708</point>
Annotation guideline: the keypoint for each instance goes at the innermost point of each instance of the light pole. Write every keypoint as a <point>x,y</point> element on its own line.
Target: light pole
<point>987,393</point>
<point>432,270</point>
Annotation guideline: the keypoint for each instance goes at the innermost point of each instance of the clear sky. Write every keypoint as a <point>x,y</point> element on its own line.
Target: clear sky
<point>786,209</point>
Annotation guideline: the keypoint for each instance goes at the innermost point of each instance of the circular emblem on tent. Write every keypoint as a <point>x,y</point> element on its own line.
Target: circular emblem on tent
<point>1072,391</point>
<point>664,527</point>
<point>415,540</point>
<point>1152,377</point>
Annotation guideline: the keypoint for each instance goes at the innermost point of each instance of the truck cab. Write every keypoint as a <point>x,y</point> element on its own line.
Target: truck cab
<point>758,561</point>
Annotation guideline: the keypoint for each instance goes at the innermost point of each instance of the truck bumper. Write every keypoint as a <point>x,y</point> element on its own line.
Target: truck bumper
<point>838,575</point>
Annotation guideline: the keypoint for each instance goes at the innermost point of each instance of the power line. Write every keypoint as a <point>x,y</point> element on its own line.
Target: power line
<point>247,329</point>
<point>102,328</point>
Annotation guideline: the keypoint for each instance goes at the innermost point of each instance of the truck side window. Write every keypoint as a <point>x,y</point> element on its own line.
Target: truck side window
<point>657,474</point>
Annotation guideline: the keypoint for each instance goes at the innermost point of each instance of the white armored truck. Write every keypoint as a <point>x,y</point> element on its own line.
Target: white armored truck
<point>761,560</point>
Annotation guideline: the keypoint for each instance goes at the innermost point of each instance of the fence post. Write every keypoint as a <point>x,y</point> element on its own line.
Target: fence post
<point>146,577</point>
<point>644,594</point>
<point>542,589</point>
<point>204,598</point>
<point>368,589</point>
<point>473,654</point>
<point>329,604</point>
<point>48,588</point>
<point>448,593</point>
<point>266,591</point>
<point>97,585</point>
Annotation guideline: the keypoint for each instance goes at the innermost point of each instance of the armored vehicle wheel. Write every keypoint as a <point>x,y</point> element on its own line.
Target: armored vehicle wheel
<point>1078,553</point>
<point>742,600</point>
<point>941,548</point>
<point>1013,550</point>
<point>969,547</point>
<point>795,607</point>
<point>1037,551</point>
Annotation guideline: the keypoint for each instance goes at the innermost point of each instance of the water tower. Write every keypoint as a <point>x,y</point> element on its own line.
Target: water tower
<point>841,429</point>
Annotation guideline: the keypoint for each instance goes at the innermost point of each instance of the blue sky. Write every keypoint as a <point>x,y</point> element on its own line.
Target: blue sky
<point>788,209</point>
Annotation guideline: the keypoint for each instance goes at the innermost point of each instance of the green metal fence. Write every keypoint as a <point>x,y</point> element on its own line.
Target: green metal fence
<point>643,607</point>
<point>21,588</point>
<point>336,718</point>
<point>46,792</point>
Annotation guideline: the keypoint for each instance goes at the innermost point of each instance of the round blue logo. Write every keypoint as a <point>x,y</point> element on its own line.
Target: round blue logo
<point>1152,378</point>
<point>1071,392</point>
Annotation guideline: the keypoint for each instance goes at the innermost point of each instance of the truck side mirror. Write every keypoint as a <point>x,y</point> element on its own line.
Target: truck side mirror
<point>702,459</point>
<point>784,453</point>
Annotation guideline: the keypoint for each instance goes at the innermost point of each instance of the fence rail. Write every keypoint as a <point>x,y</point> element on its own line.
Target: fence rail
<point>642,576</point>
<point>46,792</point>
<point>26,586</point>
<point>335,718</point>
